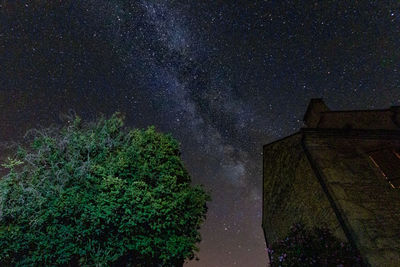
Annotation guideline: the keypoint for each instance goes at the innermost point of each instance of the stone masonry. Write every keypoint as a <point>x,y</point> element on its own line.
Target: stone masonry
<point>324,175</point>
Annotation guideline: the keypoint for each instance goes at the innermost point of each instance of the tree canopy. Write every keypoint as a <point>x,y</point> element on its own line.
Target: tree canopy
<point>99,194</point>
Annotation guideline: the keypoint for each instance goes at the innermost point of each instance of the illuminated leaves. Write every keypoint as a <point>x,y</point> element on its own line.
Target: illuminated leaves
<point>98,194</point>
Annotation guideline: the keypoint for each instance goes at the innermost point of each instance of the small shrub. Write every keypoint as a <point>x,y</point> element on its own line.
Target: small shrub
<point>315,247</point>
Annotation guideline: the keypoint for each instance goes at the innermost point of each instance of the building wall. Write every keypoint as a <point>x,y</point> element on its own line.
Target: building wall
<point>367,119</point>
<point>292,192</point>
<point>369,206</point>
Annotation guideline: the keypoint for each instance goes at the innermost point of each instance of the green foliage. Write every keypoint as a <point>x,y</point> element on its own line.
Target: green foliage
<point>315,247</point>
<point>98,194</point>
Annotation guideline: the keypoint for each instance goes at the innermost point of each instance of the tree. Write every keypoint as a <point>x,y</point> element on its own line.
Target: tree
<point>99,194</point>
<point>312,247</point>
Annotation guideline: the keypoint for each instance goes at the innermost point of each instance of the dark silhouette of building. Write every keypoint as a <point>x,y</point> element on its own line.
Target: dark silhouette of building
<point>341,171</point>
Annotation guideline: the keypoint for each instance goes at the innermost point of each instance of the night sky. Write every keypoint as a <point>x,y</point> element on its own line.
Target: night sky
<point>224,77</point>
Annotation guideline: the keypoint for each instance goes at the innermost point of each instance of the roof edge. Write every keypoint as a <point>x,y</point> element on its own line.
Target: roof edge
<point>282,139</point>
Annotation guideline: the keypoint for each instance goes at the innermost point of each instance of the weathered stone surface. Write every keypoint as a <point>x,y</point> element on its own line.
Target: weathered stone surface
<point>369,205</point>
<point>292,192</point>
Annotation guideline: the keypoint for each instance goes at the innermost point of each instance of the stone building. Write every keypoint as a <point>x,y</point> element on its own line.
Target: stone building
<point>341,171</point>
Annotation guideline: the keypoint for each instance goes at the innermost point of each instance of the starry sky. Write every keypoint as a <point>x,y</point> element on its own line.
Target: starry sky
<point>224,77</point>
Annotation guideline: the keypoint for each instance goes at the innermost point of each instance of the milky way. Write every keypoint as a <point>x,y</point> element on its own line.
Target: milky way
<point>223,78</point>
